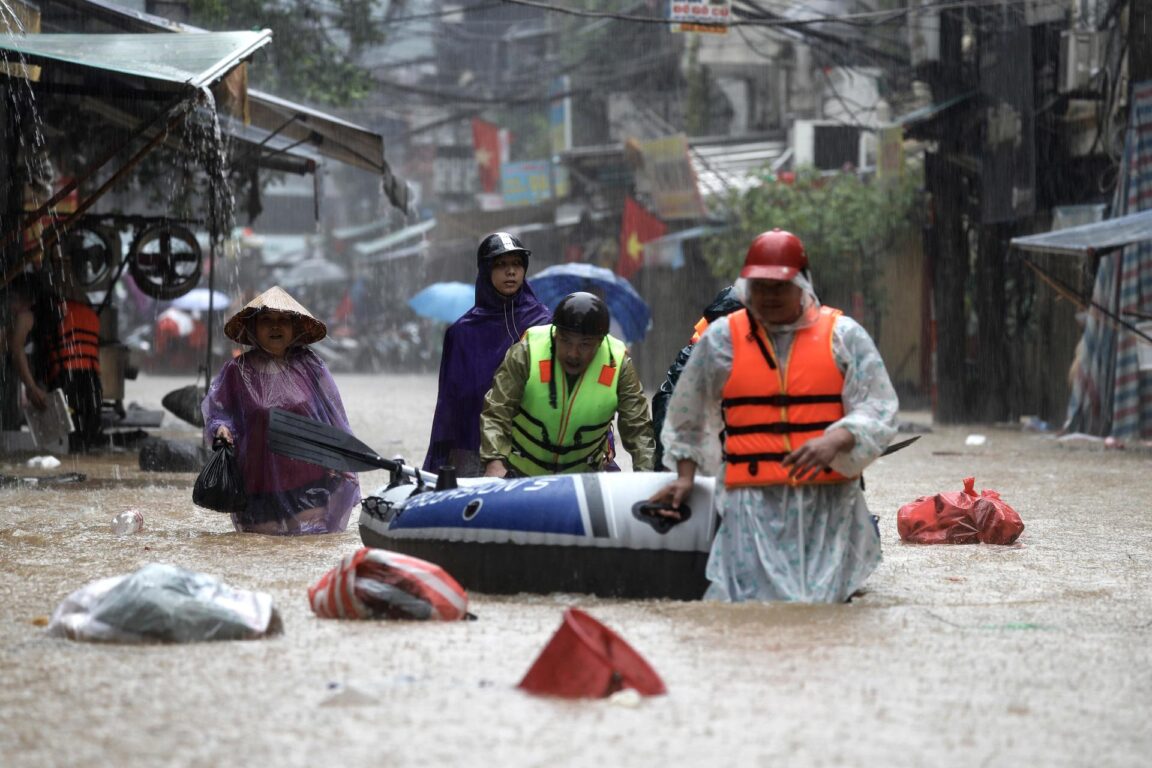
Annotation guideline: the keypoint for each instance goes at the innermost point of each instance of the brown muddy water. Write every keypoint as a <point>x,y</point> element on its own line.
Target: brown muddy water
<point>1036,654</point>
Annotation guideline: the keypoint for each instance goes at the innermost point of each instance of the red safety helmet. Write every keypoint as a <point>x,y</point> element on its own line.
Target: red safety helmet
<point>775,255</point>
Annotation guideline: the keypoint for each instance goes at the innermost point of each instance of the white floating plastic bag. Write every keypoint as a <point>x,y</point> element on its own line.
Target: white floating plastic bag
<point>164,604</point>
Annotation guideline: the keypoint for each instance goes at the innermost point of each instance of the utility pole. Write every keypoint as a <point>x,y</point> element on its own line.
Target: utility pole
<point>1139,40</point>
<point>947,241</point>
<point>1007,192</point>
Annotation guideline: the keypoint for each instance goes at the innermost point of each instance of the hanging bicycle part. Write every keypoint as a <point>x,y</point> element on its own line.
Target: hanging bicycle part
<point>93,252</point>
<point>165,260</point>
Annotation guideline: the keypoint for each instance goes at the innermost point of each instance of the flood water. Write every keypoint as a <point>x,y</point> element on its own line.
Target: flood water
<point>1033,654</point>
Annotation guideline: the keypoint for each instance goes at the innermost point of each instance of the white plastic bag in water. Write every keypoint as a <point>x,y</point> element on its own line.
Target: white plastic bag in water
<point>163,604</point>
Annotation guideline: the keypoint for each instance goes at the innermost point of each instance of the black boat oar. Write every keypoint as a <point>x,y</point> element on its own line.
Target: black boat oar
<point>300,437</point>
<point>902,444</point>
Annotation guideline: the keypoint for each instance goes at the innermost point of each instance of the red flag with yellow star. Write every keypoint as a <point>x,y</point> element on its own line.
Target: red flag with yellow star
<point>637,226</point>
<point>490,143</point>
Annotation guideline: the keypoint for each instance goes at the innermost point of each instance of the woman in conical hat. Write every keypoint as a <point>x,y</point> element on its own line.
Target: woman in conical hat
<point>285,496</point>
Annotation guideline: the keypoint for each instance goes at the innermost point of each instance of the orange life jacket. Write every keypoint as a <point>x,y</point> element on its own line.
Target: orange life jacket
<point>698,330</point>
<point>773,406</point>
<point>77,346</point>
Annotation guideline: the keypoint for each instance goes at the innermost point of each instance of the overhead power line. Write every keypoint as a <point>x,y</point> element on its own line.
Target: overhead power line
<point>863,17</point>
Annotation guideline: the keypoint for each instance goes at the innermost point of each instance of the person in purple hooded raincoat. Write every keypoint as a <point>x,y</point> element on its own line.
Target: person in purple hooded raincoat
<point>473,348</point>
<point>285,496</point>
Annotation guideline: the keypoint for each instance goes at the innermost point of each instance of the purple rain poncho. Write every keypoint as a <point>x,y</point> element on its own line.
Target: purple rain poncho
<point>473,348</point>
<point>285,496</point>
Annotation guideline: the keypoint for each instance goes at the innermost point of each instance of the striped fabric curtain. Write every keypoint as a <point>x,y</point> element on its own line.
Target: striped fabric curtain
<point>1111,395</point>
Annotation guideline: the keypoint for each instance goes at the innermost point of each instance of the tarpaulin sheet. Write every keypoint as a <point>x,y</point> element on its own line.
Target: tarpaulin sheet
<point>1087,239</point>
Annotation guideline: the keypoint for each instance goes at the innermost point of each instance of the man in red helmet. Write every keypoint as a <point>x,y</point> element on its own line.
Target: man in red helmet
<point>803,404</point>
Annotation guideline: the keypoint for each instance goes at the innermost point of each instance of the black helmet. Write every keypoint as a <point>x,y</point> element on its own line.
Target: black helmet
<point>582,313</point>
<point>497,244</point>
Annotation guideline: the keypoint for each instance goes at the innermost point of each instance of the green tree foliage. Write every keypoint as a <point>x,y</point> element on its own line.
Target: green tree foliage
<point>315,44</point>
<point>849,225</point>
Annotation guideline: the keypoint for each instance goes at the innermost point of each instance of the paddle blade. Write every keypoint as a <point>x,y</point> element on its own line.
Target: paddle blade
<point>299,437</point>
<point>898,446</point>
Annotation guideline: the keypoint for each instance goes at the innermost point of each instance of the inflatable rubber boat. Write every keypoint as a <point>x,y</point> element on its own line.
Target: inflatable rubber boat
<point>592,533</point>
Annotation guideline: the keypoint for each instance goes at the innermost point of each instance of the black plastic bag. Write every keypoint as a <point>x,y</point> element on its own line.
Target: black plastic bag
<point>184,403</point>
<point>220,486</point>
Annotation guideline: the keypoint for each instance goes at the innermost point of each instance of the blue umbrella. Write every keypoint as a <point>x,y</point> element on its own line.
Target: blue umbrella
<point>628,309</point>
<point>444,301</point>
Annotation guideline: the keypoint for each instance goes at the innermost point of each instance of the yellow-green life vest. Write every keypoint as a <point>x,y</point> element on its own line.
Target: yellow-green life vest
<point>573,435</point>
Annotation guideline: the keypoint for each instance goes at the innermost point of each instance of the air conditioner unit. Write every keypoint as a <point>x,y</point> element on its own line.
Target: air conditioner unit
<point>1080,54</point>
<point>825,145</point>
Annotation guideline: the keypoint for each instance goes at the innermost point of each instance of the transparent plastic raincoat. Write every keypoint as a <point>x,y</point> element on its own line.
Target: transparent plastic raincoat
<point>808,543</point>
<point>285,496</point>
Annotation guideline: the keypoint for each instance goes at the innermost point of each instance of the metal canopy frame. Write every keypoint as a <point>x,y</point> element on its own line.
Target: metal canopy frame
<point>132,58</point>
<point>331,136</point>
<point>1091,239</point>
<point>189,61</point>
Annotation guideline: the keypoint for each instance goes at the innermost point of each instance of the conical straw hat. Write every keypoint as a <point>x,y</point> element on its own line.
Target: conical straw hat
<point>275,298</point>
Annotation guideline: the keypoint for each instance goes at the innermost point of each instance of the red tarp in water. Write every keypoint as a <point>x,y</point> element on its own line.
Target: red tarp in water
<point>378,584</point>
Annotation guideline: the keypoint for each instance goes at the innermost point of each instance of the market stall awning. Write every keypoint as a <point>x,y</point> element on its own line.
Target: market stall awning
<point>332,137</point>
<point>385,248</point>
<point>253,145</point>
<point>725,166</point>
<point>159,59</point>
<point>1089,239</point>
<point>668,251</point>
<point>195,60</point>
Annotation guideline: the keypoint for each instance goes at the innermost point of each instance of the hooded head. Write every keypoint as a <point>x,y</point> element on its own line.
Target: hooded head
<point>501,265</point>
<point>497,244</point>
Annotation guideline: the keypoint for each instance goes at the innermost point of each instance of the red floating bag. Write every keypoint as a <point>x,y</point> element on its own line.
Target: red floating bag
<point>379,584</point>
<point>963,517</point>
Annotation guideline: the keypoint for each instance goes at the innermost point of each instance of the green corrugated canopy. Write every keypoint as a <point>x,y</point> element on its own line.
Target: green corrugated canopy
<point>197,60</point>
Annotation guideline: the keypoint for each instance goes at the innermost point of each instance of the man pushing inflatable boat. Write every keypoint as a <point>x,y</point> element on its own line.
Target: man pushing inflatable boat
<point>554,398</point>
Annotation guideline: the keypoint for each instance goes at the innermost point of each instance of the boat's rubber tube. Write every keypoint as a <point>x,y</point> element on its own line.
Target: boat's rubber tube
<point>556,533</point>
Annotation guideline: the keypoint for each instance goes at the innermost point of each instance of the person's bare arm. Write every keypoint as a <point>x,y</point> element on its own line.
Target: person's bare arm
<point>22,324</point>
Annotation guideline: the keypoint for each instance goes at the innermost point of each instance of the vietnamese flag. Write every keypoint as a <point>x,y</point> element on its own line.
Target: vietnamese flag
<point>490,143</point>
<point>637,226</point>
